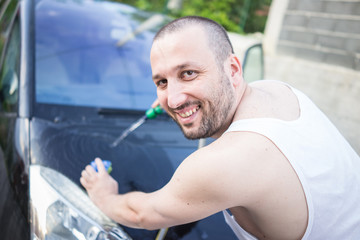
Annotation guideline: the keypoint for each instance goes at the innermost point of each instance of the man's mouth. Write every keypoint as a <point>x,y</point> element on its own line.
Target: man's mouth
<point>189,112</point>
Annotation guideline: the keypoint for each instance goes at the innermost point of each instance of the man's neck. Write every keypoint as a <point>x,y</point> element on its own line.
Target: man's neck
<point>241,94</point>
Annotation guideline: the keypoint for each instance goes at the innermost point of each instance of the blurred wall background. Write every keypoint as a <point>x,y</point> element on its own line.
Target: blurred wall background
<point>314,45</point>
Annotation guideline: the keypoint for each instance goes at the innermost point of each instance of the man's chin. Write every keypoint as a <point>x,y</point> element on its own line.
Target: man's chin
<point>193,134</point>
<point>190,131</point>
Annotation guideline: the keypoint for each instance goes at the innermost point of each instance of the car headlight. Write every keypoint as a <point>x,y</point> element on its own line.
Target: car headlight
<point>62,210</point>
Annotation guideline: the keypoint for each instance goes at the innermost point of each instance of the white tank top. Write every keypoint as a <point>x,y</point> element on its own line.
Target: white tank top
<point>327,166</point>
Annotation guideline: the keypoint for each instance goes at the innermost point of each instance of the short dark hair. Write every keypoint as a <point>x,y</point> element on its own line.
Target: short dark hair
<point>217,36</point>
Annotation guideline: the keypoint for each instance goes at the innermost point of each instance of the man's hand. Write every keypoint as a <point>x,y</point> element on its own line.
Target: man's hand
<point>99,185</point>
<point>155,103</point>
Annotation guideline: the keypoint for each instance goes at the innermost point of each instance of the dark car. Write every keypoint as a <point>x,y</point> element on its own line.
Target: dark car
<point>74,75</point>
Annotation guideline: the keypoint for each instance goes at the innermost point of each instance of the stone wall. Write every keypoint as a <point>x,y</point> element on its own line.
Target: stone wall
<point>315,46</point>
<point>322,30</point>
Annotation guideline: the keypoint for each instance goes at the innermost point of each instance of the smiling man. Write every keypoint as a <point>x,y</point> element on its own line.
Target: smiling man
<point>278,164</point>
<point>200,108</point>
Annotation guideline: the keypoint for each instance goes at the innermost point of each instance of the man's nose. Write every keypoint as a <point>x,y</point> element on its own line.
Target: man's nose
<point>176,95</point>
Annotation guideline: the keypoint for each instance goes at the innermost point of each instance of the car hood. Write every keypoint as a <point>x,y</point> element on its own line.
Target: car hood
<point>144,161</point>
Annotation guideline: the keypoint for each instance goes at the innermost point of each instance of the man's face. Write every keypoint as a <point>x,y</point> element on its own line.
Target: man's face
<point>193,89</point>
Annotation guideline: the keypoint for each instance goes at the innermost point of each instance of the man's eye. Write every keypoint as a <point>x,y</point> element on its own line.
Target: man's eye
<point>161,83</point>
<point>189,74</point>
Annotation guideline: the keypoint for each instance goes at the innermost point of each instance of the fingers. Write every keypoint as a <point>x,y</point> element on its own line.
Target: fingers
<point>90,170</point>
<point>86,176</point>
<point>84,182</point>
<point>89,176</point>
<point>155,103</point>
<point>100,166</point>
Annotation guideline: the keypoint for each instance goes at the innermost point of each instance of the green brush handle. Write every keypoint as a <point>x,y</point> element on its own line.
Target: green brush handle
<point>153,112</point>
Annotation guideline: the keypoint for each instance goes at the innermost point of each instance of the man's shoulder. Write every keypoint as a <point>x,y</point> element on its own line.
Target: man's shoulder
<point>236,154</point>
<point>241,144</point>
<point>238,164</point>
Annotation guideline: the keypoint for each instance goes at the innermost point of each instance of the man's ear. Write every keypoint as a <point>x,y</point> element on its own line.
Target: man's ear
<point>236,70</point>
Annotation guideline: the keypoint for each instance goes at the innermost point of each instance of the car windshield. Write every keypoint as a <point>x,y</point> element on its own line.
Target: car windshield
<point>94,54</point>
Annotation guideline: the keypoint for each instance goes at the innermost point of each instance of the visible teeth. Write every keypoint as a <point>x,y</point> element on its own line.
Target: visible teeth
<point>189,113</point>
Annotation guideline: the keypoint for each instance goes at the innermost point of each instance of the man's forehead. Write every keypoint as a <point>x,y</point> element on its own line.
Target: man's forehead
<point>182,48</point>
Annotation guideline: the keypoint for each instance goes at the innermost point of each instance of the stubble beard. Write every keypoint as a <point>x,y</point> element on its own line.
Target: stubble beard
<point>215,115</point>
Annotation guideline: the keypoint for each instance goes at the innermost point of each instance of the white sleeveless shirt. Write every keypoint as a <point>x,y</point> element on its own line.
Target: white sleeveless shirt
<point>327,166</point>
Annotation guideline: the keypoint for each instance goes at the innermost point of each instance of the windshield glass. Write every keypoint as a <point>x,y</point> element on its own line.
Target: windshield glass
<point>94,54</point>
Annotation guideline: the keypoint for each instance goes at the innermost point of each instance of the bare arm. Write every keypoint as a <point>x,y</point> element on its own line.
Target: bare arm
<point>212,179</point>
<point>186,198</point>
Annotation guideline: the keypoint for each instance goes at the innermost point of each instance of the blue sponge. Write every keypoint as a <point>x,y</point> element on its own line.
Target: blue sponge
<point>107,165</point>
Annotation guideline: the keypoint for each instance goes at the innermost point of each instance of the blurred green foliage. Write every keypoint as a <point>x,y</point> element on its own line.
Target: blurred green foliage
<point>242,16</point>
